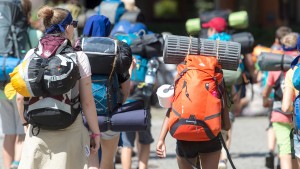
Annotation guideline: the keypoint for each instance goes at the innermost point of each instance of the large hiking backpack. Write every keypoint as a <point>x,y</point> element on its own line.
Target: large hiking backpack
<point>13,29</point>
<point>197,104</point>
<point>115,58</point>
<point>50,86</point>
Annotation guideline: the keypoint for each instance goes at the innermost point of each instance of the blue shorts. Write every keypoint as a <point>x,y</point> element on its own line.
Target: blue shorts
<point>145,137</point>
<point>297,145</point>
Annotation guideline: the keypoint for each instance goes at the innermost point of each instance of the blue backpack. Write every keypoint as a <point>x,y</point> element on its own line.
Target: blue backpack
<point>107,93</point>
<point>125,27</point>
<point>139,72</point>
<point>296,83</point>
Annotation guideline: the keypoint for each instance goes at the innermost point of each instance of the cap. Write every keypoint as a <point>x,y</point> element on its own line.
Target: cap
<point>217,23</point>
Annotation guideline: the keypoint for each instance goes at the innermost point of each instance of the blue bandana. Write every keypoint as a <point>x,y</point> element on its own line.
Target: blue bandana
<point>60,27</point>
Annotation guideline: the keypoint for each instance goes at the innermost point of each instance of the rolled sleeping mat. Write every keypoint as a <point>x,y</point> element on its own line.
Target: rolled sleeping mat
<point>193,26</point>
<point>268,61</point>
<point>103,121</point>
<point>177,47</point>
<point>238,20</point>
<point>246,40</point>
<point>135,120</point>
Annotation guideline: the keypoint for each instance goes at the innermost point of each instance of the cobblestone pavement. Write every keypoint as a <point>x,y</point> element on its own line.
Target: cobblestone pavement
<point>249,145</point>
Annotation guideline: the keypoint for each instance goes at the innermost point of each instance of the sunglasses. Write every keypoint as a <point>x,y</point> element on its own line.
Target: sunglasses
<point>74,23</point>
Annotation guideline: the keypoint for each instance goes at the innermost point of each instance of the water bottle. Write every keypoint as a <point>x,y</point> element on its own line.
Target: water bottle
<point>150,76</point>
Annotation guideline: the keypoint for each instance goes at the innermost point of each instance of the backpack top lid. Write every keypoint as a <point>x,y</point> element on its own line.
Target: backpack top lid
<point>97,25</point>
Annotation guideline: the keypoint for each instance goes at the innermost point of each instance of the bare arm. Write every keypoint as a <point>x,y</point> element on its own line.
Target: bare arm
<point>125,87</point>
<point>89,110</point>
<point>161,147</point>
<point>287,100</point>
<point>266,93</point>
<point>20,105</point>
<point>226,120</point>
<point>88,103</point>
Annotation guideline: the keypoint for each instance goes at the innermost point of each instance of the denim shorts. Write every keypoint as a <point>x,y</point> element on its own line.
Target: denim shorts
<point>145,137</point>
<point>297,145</point>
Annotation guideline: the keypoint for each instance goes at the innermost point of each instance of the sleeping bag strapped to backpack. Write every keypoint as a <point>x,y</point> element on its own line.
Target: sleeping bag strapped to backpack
<point>197,104</point>
<point>48,79</point>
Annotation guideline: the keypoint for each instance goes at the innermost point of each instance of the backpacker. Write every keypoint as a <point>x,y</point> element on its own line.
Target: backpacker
<point>14,38</point>
<point>197,104</point>
<point>48,79</point>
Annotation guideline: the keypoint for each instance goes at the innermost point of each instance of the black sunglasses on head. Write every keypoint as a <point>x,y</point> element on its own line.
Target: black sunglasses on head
<point>74,23</point>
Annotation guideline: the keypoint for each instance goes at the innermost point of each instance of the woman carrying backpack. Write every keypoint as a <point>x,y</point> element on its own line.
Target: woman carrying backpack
<point>291,91</point>
<point>281,118</point>
<point>68,147</point>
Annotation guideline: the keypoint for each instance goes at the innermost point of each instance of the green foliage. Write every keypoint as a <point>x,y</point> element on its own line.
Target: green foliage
<point>165,9</point>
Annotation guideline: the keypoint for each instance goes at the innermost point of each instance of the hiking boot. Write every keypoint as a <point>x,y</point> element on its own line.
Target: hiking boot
<point>270,160</point>
<point>222,164</point>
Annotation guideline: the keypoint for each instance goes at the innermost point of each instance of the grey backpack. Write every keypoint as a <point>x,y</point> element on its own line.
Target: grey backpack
<point>13,29</point>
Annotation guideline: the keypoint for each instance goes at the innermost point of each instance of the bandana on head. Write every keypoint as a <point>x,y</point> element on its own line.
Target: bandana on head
<point>60,27</point>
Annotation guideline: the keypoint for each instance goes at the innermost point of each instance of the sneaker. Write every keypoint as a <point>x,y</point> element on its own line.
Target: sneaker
<point>222,164</point>
<point>270,160</point>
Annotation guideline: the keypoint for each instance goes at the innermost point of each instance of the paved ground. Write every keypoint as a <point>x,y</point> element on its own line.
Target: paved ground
<point>248,144</point>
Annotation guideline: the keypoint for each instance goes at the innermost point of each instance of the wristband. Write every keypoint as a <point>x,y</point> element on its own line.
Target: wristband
<point>94,135</point>
<point>25,124</point>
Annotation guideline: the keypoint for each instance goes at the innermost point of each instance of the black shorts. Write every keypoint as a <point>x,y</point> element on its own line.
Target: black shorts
<point>191,149</point>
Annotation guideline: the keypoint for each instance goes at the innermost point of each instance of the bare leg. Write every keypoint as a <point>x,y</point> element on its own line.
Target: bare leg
<point>93,161</point>
<point>184,163</point>
<point>210,160</point>
<point>18,147</point>
<point>285,161</point>
<point>8,150</point>
<point>126,157</point>
<point>109,149</point>
<point>271,139</point>
<point>144,154</point>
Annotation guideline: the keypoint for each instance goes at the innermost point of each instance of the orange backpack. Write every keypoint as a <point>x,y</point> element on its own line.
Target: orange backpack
<point>198,103</point>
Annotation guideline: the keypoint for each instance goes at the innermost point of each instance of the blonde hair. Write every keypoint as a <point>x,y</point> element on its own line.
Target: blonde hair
<point>51,16</point>
<point>290,40</point>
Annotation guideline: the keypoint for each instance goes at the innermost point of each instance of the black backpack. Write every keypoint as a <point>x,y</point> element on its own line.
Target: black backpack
<point>13,29</point>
